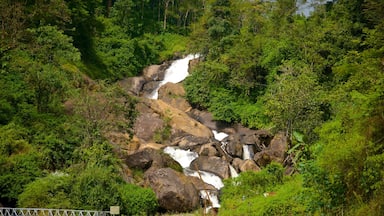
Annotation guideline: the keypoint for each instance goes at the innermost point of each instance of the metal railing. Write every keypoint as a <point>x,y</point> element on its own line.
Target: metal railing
<point>49,212</point>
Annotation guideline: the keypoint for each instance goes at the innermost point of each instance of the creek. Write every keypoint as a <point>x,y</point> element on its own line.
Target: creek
<point>176,73</point>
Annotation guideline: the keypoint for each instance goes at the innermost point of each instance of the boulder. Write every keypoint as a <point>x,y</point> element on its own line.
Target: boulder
<point>189,141</point>
<point>149,87</point>
<point>234,146</point>
<point>208,150</point>
<point>174,191</point>
<point>155,72</point>
<point>147,124</point>
<point>237,163</point>
<point>249,165</point>
<point>213,165</point>
<point>133,85</point>
<point>150,158</point>
<point>173,94</point>
<point>206,118</point>
<point>179,121</point>
<point>276,151</point>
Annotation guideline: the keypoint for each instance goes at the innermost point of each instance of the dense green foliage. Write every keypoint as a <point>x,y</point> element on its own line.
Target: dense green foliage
<point>55,121</point>
<point>319,78</point>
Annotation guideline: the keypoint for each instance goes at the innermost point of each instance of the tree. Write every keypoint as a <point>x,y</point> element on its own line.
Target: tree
<point>294,100</point>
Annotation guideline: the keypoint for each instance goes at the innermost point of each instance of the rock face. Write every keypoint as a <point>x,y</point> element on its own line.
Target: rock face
<point>173,94</point>
<point>274,152</point>
<point>155,72</point>
<point>147,158</point>
<point>147,124</point>
<point>190,142</point>
<point>188,129</point>
<point>179,121</point>
<point>234,146</point>
<point>133,84</point>
<point>173,190</point>
<point>213,165</point>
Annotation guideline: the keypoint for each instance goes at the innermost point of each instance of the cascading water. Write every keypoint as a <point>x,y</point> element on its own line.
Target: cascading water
<point>220,136</point>
<point>247,152</point>
<point>177,72</point>
<point>184,158</point>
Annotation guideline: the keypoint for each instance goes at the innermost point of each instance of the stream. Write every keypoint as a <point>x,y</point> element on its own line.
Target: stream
<point>176,73</point>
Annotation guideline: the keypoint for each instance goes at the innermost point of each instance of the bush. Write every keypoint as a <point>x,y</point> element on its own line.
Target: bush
<point>48,192</point>
<point>136,200</point>
<point>264,193</point>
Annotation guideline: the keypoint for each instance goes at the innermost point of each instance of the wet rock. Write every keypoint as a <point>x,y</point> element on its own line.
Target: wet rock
<point>149,87</point>
<point>174,191</point>
<point>206,118</point>
<point>234,146</point>
<point>155,72</point>
<point>214,165</point>
<point>150,158</point>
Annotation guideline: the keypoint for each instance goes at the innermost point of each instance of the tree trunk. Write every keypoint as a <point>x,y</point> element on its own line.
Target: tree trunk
<point>165,14</point>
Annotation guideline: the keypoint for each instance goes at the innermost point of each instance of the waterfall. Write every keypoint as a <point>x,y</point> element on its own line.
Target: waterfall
<point>184,158</point>
<point>247,152</point>
<point>219,136</point>
<point>177,72</point>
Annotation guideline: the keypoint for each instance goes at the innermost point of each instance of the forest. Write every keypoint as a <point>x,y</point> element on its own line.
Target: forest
<point>319,78</point>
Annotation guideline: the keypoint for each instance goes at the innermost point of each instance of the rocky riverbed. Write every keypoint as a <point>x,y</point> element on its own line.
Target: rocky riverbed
<point>170,121</point>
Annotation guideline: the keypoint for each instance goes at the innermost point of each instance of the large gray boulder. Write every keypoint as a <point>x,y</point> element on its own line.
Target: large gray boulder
<point>174,95</point>
<point>155,72</point>
<point>234,147</point>
<point>147,124</point>
<point>174,191</point>
<point>215,165</point>
<point>133,85</point>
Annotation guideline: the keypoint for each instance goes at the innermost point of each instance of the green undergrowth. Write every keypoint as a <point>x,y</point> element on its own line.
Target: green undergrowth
<point>267,192</point>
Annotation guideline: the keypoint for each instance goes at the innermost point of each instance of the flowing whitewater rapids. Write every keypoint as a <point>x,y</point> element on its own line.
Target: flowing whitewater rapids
<point>177,72</point>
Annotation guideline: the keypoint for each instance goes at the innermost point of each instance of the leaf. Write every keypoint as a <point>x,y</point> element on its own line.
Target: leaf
<point>298,136</point>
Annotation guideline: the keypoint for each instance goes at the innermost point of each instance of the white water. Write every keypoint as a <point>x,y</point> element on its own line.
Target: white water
<point>246,152</point>
<point>234,174</point>
<point>205,194</point>
<point>207,177</point>
<point>177,72</point>
<point>183,157</point>
<point>219,136</point>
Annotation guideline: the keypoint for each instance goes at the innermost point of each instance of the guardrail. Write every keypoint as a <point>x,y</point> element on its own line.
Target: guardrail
<point>49,212</point>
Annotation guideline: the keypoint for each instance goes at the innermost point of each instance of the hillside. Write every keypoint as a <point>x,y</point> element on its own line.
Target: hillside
<point>317,79</point>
